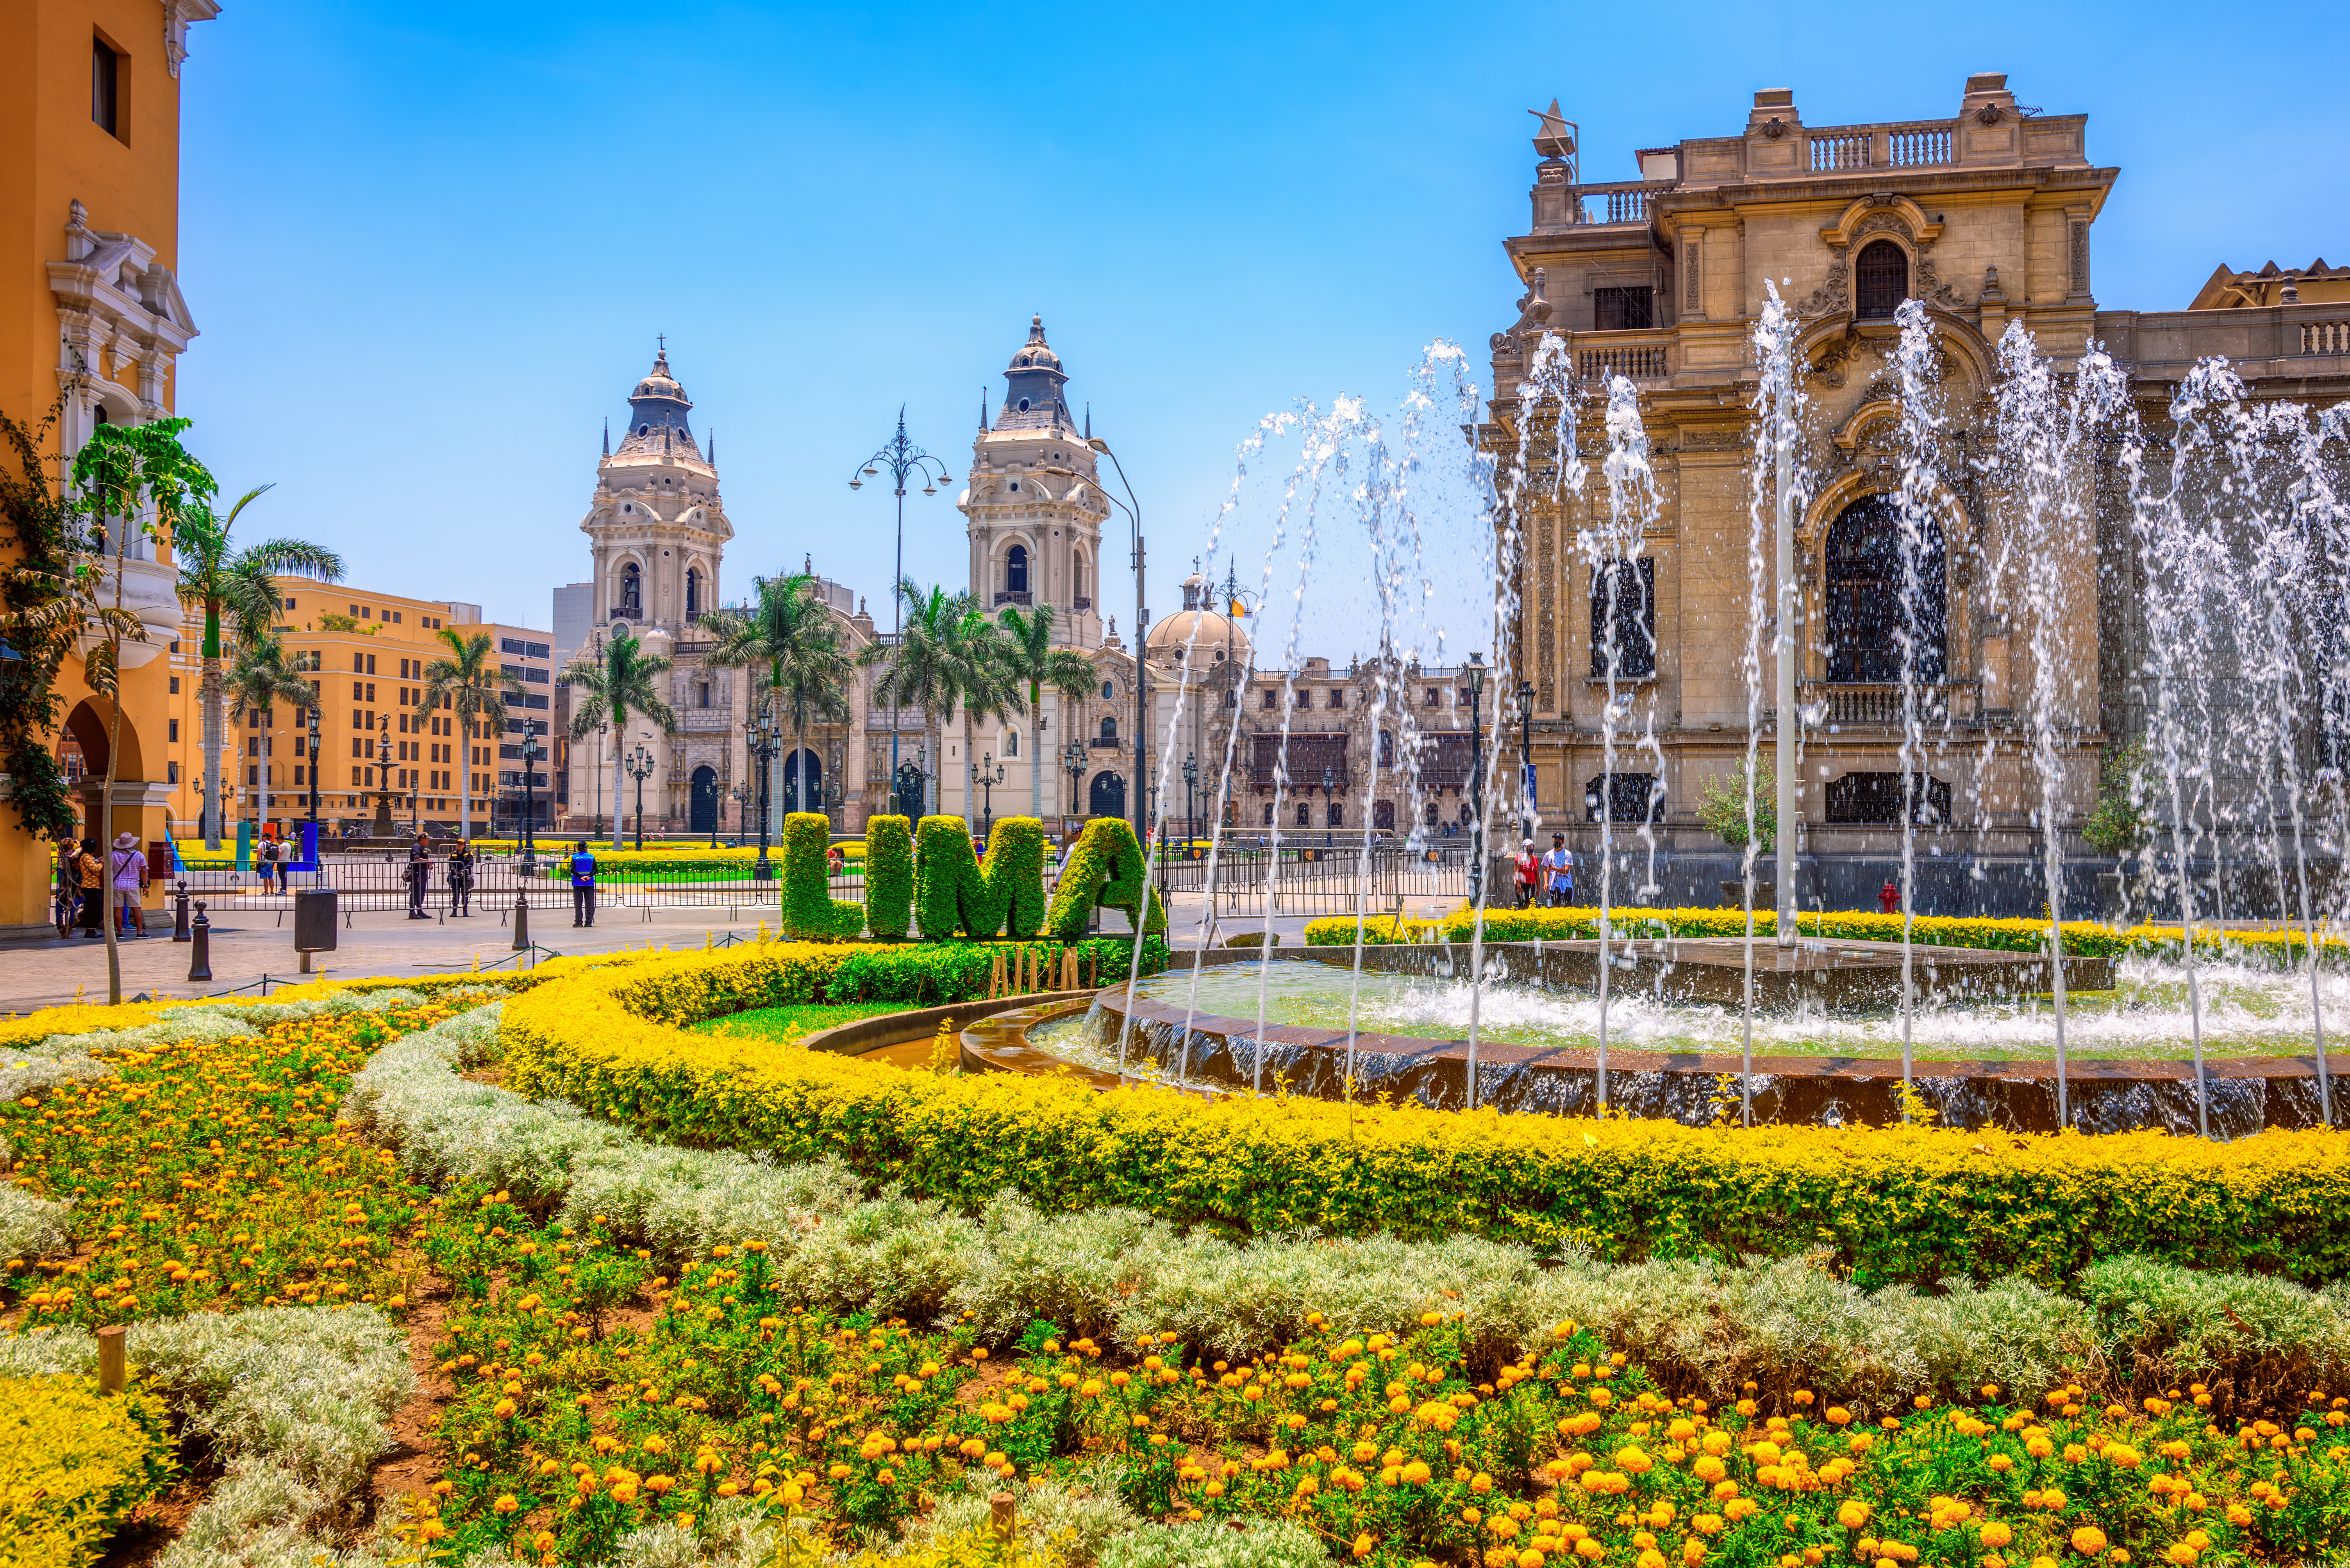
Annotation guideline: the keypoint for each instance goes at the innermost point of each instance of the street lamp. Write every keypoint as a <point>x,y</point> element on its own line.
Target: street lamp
<point>1073,759</point>
<point>1141,640</point>
<point>1473,677</point>
<point>1191,784</point>
<point>1526,757</point>
<point>986,783</point>
<point>903,459</point>
<point>1329,782</point>
<point>639,765</point>
<point>741,795</point>
<point>531,753</point>
<point>762,739</point>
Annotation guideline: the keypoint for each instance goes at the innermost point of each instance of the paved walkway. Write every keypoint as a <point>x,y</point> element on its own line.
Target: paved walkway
<point>247,947</point>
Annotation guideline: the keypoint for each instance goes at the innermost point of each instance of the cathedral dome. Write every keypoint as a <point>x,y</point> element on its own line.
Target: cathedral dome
<point>1035,354</point>
<point>1200,634</point>
<point>660,383</point>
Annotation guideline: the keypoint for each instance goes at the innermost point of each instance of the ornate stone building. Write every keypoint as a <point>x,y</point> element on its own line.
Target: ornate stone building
<point>1986,217</point>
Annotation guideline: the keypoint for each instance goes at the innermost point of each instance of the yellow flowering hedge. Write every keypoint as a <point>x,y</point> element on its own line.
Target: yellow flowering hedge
<point>2082,939</point>
<point>1912,1204</point>
<point>75,1018</point>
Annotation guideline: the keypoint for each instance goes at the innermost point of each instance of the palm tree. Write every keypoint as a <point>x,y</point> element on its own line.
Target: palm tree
<point>1029,650</point>
<point>471,686</point>
<point>950,656</point>
<point>258,681</point>
<point>793,639</point>
<point>611,680</point>
<point>216,576</point>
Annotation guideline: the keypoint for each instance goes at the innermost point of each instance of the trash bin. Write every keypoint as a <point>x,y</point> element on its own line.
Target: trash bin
<point>313,922</point>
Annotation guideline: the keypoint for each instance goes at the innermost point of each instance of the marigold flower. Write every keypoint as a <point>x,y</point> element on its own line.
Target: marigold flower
<point>2088,1541</point>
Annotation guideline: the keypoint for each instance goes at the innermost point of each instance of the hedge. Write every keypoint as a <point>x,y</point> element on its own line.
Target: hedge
<point>1915,1204</point>
<point>890,878</point>
<point>2082,939</point>
<point>78,1463</point>
<point>952,893</point>
<point>809,912</point>
<point>1105,866</point>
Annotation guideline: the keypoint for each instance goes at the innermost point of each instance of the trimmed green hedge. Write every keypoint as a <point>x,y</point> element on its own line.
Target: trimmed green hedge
<point>809,910</point>
<point>888,877</point>
<point>952,892</point>
<point>1105,867</point>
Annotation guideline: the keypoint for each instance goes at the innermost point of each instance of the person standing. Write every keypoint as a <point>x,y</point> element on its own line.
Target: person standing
<point>1529,873</point>
<point>419,877</point>
<point>1558,874</point>
<point>68,885</point>
<point>268,864</point>
<point>129,881</point>
<point>583,886</point>
<point>92,871</point>
<point>461,880</point>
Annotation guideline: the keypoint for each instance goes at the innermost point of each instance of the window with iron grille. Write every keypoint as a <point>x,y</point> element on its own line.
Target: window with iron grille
<point>1622,309</point>
<point>1624,595</point>
<point>1880,280</point>
<point>1877,797</point>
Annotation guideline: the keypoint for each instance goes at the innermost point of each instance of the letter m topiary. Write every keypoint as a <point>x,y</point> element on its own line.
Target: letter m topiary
<point>951,893</point>
<point>810,912</point>
<point>1105,867</point>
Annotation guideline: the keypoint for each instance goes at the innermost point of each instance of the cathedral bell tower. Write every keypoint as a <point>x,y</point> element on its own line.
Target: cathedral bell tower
<point>1034,508</point>
<point>657,527</point>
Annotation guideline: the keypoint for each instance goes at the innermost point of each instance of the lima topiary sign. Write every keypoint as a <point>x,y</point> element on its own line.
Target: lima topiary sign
<point>929,878</point>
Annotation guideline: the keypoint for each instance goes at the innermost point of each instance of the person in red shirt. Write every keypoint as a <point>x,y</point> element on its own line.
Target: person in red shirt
<point>1528,876</point>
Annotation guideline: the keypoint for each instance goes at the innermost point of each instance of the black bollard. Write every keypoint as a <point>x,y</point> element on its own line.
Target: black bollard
<point>200,959</point>
<point>180,914</point>
<point>522,921</point>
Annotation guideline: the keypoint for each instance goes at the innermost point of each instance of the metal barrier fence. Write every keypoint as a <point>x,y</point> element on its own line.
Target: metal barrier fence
<point>1311,880</point>
<point>377,883</point>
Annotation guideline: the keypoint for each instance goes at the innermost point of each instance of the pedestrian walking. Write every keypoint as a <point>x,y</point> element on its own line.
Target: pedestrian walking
<point>129,881</point>
<point>460,878</point>
<point>1529,873</point>
<point>583,886</point>
<point>419,877</point>
<point>69,899</point>
<point>1558,874</point>
<point>92,871</point>
<point>267,866</point>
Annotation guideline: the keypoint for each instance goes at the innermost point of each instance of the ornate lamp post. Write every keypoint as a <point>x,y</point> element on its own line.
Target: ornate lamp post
<point>1329,782</point>
<point>531,751</point>
<point>903,459</point>
<point>1190,788</point>
<point>1526,791</point>
<point>762,739</point>
<point>384,825</point>
<point>1473,677</point>
<point>1073,759</point>
<point>741,795</point>
<point>987,782</point>
<point>639,765</point>
<point>1141,640</point>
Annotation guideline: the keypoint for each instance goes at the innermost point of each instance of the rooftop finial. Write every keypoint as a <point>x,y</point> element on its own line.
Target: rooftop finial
<point>607,435</point>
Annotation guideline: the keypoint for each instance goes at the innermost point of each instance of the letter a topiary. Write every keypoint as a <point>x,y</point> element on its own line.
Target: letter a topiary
<point>1105,867</point>
<point>951,893</point>
<point>888,878</point>
<point>810,912</point>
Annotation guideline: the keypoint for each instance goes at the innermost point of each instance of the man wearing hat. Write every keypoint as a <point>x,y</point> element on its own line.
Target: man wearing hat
<point>1558,873</point>
<point>129,864</point>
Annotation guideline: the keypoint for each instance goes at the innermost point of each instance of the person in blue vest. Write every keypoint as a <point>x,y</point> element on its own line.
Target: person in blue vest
<point>583,886</point>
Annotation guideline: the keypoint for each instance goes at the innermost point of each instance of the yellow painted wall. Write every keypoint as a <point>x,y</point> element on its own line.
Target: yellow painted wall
<point>52,154</point>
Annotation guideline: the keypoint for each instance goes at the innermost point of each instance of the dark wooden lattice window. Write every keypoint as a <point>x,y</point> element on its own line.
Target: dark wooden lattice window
<point>1877,797</point>
<point>1633,798</point>
<point>1871,609</point>
<point>1622,309</point>
<point>1624,597</point>
<point>1880,280</point>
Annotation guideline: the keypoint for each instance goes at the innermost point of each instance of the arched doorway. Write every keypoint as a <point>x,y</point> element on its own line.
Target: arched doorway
<point>1107,795</point>
<point>1872,610</point>
<point>703,815</point>
<point>803,781</point>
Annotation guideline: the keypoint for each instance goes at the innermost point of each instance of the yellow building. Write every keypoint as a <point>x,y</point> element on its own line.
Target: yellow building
<point>366,654</point>
<point>92,322</point>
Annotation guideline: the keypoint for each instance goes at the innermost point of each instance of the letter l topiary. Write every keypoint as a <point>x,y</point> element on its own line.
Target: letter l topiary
<point>810,912</point>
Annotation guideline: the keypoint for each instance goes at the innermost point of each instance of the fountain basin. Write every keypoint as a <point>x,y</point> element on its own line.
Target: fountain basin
<point>1222,1051</point>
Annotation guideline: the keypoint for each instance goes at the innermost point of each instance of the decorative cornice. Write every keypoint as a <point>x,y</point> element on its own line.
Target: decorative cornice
<point>177,14</point>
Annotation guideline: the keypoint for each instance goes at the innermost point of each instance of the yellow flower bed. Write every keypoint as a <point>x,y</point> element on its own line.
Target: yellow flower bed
<point>2082,939</point>
<point>1909,1203</point>
<point>75,1018</point>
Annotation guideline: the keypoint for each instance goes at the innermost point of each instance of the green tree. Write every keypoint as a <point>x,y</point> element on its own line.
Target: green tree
<point>468,685</point>
<point>256,683</point>
<point>1722,806</point>
<point>219,578</point>
<point>131,483</point>
<point>791,639</point>
<point>1031,657</point>
<point>2119,823</point>
<point>951,656</point>
<point>47,598</point>
<point>610,682</point>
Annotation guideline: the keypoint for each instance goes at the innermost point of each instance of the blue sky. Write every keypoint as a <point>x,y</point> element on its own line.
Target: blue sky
<point>430,246</point>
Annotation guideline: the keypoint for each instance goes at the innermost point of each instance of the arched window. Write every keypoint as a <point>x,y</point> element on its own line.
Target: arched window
<point>1337,815</point>
<point>1082,587</point>
<point>1386,748</point>
<point>1885,596</point>
<point>693,590</point>
<point>1015,569</point>
<point>1109,729</point>
<point>632,598</point>
<point>1429,813</point>
<point>1880,280</point>
<point>1304,815</point>
<point>1107,692</point>
<point>1011,742</point>
<point>1268,813</point>
<point>1383,815</point>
